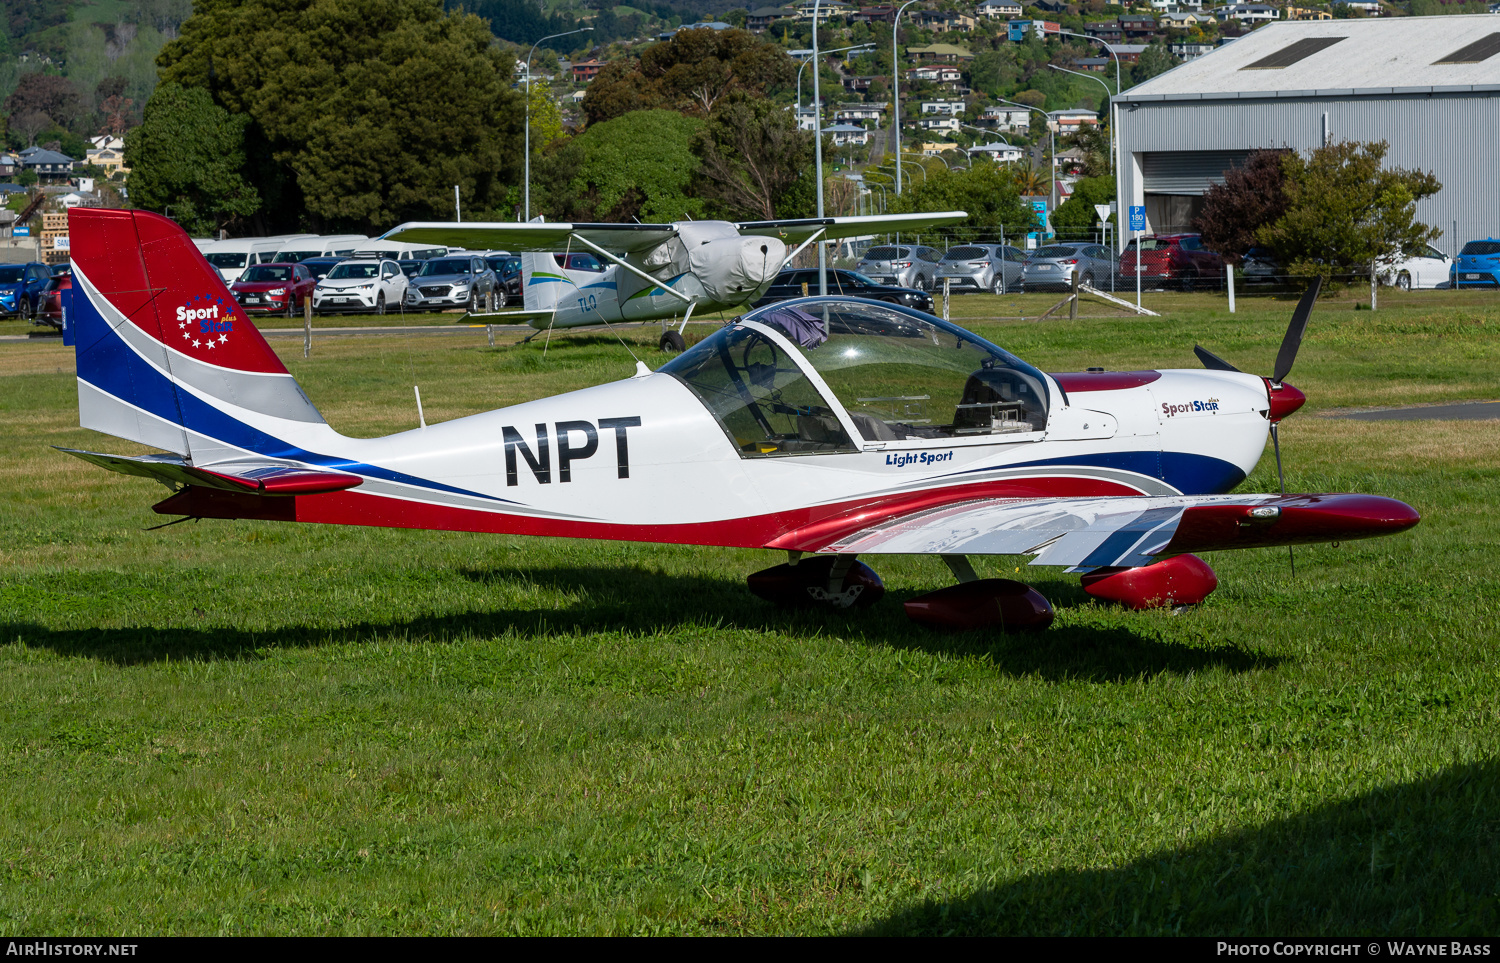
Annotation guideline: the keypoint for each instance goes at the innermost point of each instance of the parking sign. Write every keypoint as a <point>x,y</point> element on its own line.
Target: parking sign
<point>1137,218</point>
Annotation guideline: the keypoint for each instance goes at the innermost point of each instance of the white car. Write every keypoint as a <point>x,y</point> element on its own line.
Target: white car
<point>363,284</point>
<point>1429,269</point>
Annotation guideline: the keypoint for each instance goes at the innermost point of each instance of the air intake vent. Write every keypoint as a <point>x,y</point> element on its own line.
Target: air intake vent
<point>1300,50</point>
<point>1480,50</point>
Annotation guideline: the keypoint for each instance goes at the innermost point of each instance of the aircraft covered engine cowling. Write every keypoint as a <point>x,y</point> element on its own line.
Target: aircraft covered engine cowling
<point>728,266</point>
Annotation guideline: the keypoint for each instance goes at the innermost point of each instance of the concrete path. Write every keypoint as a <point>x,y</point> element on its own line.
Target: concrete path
<point>1461,411</point>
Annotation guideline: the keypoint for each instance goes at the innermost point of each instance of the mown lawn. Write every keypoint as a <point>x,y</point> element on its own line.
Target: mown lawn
<point>232,727</point>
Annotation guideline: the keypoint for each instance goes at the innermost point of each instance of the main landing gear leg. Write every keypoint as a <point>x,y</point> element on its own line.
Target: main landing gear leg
<point>980,603</point>
<point>831,581</point>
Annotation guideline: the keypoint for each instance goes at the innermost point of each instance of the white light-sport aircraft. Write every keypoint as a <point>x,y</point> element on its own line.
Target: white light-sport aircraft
<point>834,427</point>
<point>648,272</point>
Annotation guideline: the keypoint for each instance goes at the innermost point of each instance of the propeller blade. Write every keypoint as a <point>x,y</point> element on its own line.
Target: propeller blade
<point>1211,360</point>
<point>1294,331</point>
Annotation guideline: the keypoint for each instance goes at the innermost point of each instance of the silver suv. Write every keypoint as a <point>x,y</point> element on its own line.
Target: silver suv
<point>901,265</point>
<point>454,281</point>
<point>981,267</point>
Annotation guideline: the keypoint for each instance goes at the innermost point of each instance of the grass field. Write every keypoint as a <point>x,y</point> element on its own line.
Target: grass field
<point>234,727</point>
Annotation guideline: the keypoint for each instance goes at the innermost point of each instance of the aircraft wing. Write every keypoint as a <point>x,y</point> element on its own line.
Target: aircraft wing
<point>516,236</point>
<point>797,231</point>
<point>1088,533</point>
<point>251,478</point>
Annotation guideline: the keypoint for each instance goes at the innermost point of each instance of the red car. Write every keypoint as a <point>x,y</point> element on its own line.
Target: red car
<point>49,304</point>
<point>1172,259</point>
<point>274,288</point>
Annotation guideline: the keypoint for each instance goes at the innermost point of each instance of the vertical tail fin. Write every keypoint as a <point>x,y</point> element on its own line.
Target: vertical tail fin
<point>165,355</point>
<point>542,282</point>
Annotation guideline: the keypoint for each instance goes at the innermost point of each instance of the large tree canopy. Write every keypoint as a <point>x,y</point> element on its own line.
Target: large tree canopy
<point>1250,198</point>
<point>754,162</point>
<point>636,166</point>
<point>692,72</point>
<point>187,159</point>
<point>365,112</point>
<point>986,191</point>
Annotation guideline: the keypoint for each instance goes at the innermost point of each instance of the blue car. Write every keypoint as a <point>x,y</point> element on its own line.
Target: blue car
<point>1478,265</point>
<point>21,289</point>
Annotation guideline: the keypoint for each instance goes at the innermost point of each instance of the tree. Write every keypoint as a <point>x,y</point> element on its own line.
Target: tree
<point>1344,210</point>
<point>1093,141</point>
<point>27,124</point>
<point>55,96</point>
<point>1078,210</point>
<point>752,158</point>
<point>1250,198</point>
<point>692,72</point>
<point>187,158</point>
<point>986,191</point>
<point>546,118</point>
<point>636,166</point>
<point>1155,59</point>
<point>363,113</point>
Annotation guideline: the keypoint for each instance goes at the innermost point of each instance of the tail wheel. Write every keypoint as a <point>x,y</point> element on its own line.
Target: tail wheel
<point>380,303</point>
<point>1403,281</point>
<point>672,341</point>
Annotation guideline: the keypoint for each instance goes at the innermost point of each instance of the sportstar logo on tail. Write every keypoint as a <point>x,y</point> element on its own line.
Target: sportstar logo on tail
<point>205,322</point>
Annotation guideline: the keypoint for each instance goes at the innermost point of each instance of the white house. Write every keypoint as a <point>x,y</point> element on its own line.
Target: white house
<point>999,153</point>
<point>1007,118</point>
<point>950,108</point>
<point>848,135</point>
<point>1068,121</point>
<point>939,123</point>
<point>998,9</point>
<point>859,114</point>
<point>1248,13</point>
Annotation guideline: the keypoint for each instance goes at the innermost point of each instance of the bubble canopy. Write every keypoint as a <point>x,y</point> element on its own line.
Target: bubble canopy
<point>829,375</point>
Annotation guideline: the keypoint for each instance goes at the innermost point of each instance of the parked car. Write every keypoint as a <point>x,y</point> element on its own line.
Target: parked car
<point>788,284</point>
<point>1478,265</point>
<point>453,282</point>
<point>1259,266</point>
<point>410,267</point>
<point>1171,260</point>
<point>901,265</point>
<point>507,268</point>
<point>363,284</point>
<point>21,287</point>
<point>1426,268</point>
<point>319,267</point>
<point>1053,266</point>
<point>51,310</point>
<point>981,267</point>
<point>274,288</point>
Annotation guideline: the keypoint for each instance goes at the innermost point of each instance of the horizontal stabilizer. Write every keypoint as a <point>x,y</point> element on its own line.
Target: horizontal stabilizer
<point>263,479</point>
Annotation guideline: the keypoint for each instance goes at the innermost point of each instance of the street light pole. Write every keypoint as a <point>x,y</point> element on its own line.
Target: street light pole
<point>527,189</point>
<point>862,46</point>
<point>1111,97</point>
<point>818,142</point>
<point>896,86</point>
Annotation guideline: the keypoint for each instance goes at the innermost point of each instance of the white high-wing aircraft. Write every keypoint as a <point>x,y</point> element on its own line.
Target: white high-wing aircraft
<point>830,426</point>
<point>652,271</point>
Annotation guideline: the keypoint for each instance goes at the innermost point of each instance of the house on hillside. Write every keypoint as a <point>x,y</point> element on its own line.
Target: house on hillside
<point>10,164</point>
<point>1190,51</point>
<point>1050,6</point>
<point>883,13</point>
<point>937,73</point>
<point>1069,121</point>
<point>1307,13</point>
<point>1248,13</point>
<point>848,135</point>
<point>938,53</point>
<point>939,123</point>
<point>1129,53</point>
<point>586,70</point>
<point>1007,118</point>
<point>1109,31</point>
<point>826,9</point>
<point>1138,26</point>
<point>943,21</point>
<point>999,153</point>
<point>859,114</point>
<point>762,17</point>
<point>109,159</point>
<point>948,108</point>
<point>47,165</point>
<point>1184,20</point>
<point>998,9</point>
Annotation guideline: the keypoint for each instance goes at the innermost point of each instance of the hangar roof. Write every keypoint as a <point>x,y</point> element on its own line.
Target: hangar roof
<point>1398,55</point>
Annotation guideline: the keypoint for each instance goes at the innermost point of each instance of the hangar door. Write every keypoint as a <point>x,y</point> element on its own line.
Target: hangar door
<point>1174,183</point>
